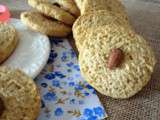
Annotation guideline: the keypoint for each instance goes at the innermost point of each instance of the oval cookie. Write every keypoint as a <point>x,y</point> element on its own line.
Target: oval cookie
<point>40,23</point>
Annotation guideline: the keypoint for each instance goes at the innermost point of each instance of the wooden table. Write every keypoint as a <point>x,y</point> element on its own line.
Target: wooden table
<point>145,17</point>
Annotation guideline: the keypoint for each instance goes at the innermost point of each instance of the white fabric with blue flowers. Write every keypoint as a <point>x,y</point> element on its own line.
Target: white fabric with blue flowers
<point>65,94</point>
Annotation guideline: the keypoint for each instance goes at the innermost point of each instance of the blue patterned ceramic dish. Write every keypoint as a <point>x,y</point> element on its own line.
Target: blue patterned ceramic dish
<point>65,94</point>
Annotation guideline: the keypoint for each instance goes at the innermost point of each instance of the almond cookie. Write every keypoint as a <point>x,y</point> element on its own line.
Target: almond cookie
<point>52,11</point>
<point>19,96</point>
<point>8,40</point>
<point>109,5</point>
<point>118,62</point>
<point>91,21</point>
<point>40,23</point>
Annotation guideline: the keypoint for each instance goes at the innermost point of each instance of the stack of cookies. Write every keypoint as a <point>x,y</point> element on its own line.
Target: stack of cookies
<point>52,17</point>
<point>19,96</point>
<point>113,58</point>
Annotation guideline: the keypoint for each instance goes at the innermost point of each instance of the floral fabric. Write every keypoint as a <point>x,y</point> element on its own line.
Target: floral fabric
<point>65,94</point>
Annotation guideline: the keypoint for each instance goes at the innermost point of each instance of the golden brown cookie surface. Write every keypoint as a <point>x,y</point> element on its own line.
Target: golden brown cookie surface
<point>19,96</point>
<point>89,22</point>
<point>109,5</point>
<point>40,23</point>
<point>8,40</point>
<point>69,5</point>
<point>53,11</point>
<point>128,76</point>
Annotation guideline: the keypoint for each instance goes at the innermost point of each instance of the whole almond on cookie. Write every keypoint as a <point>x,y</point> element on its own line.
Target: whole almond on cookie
<point>115,59</point>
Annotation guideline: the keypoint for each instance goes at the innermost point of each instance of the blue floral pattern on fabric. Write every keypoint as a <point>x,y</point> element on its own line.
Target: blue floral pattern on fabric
<point>58,112</point>
<point>52,56</point>
<point>99,111</point>
<point>65,94</point>
<point>50,96</point>
<point>56,83</point>
<point>88,112</point>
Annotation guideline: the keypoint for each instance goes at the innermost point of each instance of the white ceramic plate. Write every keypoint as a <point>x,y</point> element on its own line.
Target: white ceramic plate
<point>32,51</point>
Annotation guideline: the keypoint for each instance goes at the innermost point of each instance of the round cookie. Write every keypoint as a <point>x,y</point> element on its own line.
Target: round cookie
<point>19,96</point>
<point>88,22</point>
<point>109,5</point>
<point>131,75</point>
<point>52,11</point>
<point>8,40</point>
<point>40,23</point>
